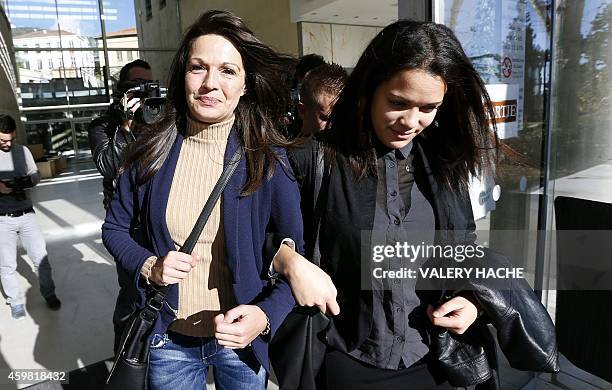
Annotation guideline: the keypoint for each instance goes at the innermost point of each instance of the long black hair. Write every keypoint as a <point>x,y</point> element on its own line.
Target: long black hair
<point>259,113</point>
<point>460,144</point>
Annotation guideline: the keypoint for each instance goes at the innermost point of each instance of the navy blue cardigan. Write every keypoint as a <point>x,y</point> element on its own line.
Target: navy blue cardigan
<point>274,206</point>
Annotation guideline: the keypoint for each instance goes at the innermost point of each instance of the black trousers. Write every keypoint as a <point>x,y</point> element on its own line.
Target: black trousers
<point>341,371</point>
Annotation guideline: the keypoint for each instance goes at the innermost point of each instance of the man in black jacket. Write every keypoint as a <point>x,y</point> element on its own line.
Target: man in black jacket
<point>109,136</point>
<point>111,133</point>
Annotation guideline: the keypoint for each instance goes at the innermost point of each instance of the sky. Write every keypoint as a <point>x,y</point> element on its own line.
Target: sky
<point>78,16</point>
<point>120,15</point>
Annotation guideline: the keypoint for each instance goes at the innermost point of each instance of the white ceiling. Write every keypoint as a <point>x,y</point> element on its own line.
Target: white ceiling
<point>359,12</point>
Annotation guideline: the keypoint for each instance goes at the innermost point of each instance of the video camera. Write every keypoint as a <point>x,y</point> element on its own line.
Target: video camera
<point>19,184</point>
<point>152,99</point>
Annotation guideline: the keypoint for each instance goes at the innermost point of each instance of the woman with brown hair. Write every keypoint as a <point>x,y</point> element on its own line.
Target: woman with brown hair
<point>226,91</point>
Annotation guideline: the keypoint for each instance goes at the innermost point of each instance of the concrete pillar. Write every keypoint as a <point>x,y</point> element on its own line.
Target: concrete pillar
<point>8,77</point>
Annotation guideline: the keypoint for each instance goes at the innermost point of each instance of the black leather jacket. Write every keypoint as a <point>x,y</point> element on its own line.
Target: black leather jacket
<point>108,144</point>
<point>524,331</point>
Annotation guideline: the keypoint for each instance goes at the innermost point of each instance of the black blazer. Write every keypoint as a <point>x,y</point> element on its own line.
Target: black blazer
<point>346,210</point>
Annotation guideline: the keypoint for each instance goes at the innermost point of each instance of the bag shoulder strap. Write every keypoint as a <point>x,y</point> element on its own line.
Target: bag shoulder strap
<point>321,173</point>
<point>157,301</point>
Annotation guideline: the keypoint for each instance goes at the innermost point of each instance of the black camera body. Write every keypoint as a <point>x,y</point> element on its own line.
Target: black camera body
<point>19,184</point>
<point>152,100</point>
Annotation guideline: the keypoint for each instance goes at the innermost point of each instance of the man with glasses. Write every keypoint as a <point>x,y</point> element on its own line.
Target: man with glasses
<point>17,220</point>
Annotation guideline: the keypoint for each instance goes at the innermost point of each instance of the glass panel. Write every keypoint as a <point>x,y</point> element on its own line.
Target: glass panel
<point>56,137</point>
<point>79,23</point>
<point>82,140</point>
<point>41,85</point>
<point>508,43</point>
<point>47,23</point>
<point>583,118</point>
<point>89,112</point>
<point>45,82</point>
<point>34,23</point>
<point>84,77</point>
<point>120,23</point>
<point>581,183</point>
<point>46,115</point>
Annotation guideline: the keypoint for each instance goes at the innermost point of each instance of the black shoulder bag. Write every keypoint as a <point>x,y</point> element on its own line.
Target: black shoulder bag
<point>132,362</point>
<point>298,347</point>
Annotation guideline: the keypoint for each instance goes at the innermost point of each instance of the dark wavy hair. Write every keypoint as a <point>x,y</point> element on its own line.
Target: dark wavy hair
<point>461,144</point>
<point>7,124</point>
<point>260,111</point>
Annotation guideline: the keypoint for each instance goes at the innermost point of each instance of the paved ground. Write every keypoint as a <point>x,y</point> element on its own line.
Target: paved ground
<point>69,210</point>
<point>79,336</point>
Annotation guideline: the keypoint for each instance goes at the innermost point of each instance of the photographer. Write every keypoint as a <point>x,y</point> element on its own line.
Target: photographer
<point>17,220</point>
<point>109,137</point>
<point>111,133</point>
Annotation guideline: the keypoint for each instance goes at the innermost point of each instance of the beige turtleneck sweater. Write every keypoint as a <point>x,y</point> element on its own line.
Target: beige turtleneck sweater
<point>207,290</point>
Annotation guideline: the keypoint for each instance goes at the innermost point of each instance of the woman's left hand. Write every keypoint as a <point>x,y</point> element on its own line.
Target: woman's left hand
<point>239,326</point>
<point>456,314</point>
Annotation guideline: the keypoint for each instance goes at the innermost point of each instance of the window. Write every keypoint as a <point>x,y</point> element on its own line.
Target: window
<point>149,9</point>
<point>119,56</point>
<point>39,64</point>
<point>50,63</point>
<point>129,56</point>
<point>73,62</point>
<point>38,46</point>
<point>162,4</point>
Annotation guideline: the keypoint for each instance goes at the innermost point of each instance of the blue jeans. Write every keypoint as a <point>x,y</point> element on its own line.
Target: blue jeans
<point>180,362</point>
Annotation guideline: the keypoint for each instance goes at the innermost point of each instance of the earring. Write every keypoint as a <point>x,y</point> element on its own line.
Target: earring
<point>435,124</point>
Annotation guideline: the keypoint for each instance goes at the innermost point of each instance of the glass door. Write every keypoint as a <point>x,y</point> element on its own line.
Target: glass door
<point>508,42</point>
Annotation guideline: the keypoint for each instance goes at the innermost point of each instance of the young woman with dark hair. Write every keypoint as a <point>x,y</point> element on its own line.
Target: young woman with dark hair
<point>226,91</point>
<point>408,130</point>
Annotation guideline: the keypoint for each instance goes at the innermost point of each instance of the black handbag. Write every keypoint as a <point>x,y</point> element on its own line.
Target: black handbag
<point>298,348</point>
<point>131,364</point>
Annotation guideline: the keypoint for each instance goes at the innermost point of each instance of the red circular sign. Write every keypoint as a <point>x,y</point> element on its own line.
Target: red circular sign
<point>507,67</point>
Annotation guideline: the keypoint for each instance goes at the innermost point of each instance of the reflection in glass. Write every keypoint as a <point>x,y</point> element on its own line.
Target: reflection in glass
<point>119,20</point>
<point>508,41</point>
<point>47,115</point>
<point>582,137</point>
<point>82,140</point>
<point>79,81</point>
<point>57,22</point>
<point>56,137</point>
<point>59,50</point>
<point>89,112</point>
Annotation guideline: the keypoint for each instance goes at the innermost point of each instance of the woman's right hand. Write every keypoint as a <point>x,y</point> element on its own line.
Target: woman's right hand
<point>310,285</point>
<point>172,268</point>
